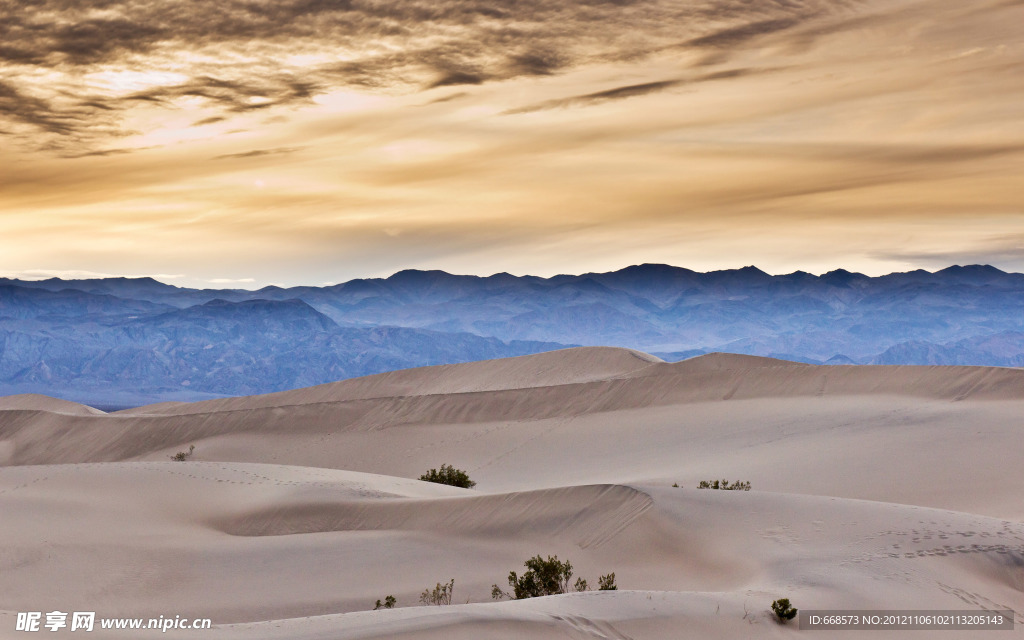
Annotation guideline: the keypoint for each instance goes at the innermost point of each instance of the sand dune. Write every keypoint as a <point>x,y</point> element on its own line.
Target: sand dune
<point>37,402</point>
<point>874,487</point>
<point>241,543</point>
<point>551,368</point>
<point>844,431</point>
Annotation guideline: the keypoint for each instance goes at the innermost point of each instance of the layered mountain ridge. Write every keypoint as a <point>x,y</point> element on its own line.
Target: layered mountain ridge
<point>129,341</point>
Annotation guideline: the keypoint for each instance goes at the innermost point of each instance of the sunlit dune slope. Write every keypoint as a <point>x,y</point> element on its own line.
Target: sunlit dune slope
<point>784,426</point>
<point>242,543</point>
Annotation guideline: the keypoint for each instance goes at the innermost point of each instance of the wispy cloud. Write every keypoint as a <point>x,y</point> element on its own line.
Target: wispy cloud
<point>1005,251</point>
<point>340,137</point>
<point>78,274</point>
<point>731,37</point>
<point>633,90</point>
<point>239,56</point>
<point>256,153</point>
<point>618,93</point>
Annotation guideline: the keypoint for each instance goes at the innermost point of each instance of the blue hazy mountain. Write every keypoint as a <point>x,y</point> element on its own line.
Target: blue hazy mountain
<point>122,341</point>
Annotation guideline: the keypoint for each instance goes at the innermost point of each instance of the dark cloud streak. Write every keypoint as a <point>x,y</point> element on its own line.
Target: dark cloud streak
<point>423,44</point>
<point>256,153</point>
<point>19,107</point>
<point>734,36</point>
<point>631,91</point>
<point>234,96</point>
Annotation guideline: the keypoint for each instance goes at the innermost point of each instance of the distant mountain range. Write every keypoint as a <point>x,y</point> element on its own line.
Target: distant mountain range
<point>121,342</point>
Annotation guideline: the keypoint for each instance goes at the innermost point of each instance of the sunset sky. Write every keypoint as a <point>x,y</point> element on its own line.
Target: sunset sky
<point>247,142</point>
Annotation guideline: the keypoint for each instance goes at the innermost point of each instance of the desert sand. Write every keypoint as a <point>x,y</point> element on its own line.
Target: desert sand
<point>873,488</point>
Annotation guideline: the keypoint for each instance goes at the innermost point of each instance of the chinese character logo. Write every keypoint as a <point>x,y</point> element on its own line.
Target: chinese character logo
<point>28,621</point>
<point>83,620</point>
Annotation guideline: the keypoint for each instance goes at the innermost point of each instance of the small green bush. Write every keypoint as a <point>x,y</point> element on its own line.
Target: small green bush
<point>182,456</point>
<point>546,578</point>
<point>449,475</point>
<point>724,484</point>
<point>389,603</point>
<point>441,594</point>
<point>542,578</point>
<point>782,610</point>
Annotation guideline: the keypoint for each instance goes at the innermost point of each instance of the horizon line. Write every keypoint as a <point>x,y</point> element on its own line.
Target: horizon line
<point>161,278</point>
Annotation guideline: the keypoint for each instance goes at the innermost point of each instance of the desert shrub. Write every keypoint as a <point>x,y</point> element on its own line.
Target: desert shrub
<point>782,610</point>
<point>441,594</point>
<point>449,475</point>
<point>724,484</point>
<point>542,578</point>
<point>182,456</point>
<point>389,603</point>
<point>675,484</point>
<point>607,583</point>
<point>546,578</point>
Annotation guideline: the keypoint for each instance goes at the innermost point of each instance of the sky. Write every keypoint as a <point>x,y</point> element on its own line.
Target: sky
<point>247,142</point>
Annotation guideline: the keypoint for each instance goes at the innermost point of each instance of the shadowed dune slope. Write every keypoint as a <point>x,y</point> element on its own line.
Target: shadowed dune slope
<point>589,515</point>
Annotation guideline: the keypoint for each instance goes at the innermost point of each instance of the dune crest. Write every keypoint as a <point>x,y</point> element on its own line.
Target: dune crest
<point>38,402</point>
<point>719,361</point>
<point>551,368</point>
